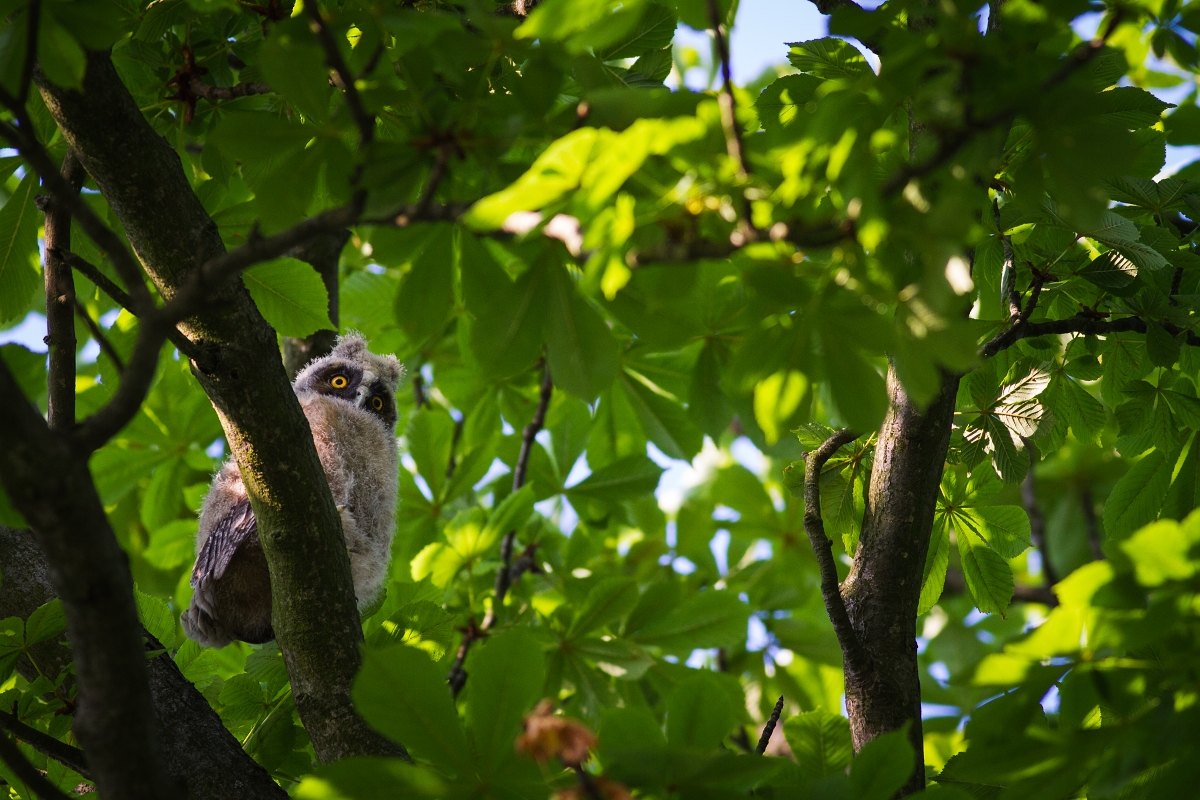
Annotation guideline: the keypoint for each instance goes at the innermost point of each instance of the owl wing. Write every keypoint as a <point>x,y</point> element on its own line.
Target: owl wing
<point>229,534</point>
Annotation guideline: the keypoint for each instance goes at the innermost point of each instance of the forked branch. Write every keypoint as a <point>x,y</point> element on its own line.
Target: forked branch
<point>831,592</point>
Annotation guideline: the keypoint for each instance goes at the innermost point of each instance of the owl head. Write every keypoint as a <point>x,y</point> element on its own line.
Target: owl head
<point>353,373</point>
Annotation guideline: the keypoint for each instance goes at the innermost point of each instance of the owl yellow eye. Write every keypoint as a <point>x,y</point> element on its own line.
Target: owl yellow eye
<point>377,403</point>
<point>339,382</point>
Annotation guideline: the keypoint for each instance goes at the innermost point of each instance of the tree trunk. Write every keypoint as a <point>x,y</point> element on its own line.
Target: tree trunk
<point>198,749</point>
<point>884,585</point>
<point>315,615</point>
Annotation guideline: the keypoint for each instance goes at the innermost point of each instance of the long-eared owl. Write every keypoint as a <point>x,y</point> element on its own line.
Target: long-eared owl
<point>349,399</point>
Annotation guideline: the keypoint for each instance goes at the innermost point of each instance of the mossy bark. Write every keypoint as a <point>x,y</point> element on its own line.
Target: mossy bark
<point>238,364</point>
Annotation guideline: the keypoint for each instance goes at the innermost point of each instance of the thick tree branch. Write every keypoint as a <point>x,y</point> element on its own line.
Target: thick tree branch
<point>769,728</point>
<point>333,56</point>
<point>315,615</point>
<point>11,755</point>
<point>50,484</point>
<point>60,301</point>
<point>822,547</point>
<point>199,750</point>
<point>457,677</point>
<point>47,745</point>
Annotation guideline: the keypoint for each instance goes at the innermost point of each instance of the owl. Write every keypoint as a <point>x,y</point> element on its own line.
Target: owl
<point>349,399</point>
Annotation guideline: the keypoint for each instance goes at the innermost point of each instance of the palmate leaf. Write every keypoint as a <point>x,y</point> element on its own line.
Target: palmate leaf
<point>1006,528</point>
<point>828,58</point>
<point>937,561</point>
<point>1157,196</point>
<point>18,249</point>
<point>820,742</point>
<point>290,295</point>
<point>988,576</point>
<point>1139,494</point>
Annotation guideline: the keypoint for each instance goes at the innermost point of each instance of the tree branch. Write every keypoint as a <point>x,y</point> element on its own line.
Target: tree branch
<point>60,301</point>
<point>734,142</point>
<point>822,547</point>
<point>1080,323</point>
<point>26,772</point>
<point>457,677</point>
<point>1037,521</point>
<point>1091,524</point>
<point>333,56</point>
<point>118,296</point>
<point>769,729</point>
<point>98,334</point>
<point>323,253</point>
<point>199,750</point>
<point>211,93</point>
<point>46,744</point>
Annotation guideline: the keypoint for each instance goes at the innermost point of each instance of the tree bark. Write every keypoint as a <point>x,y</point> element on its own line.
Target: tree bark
<point>198,749</point>
<point>323,253</point>
<point>60,304</point>
<point>884,585</point>
<point>51,486</point>
<point>315,615</point>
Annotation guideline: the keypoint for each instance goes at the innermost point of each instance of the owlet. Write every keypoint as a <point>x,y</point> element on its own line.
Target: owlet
<point>349,399</point>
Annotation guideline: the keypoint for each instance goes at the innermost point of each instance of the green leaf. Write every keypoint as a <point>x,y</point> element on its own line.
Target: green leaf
<point>820,742</point>
<point>882,766</point>
<point>711,618</point>
<point>579,346</point>
<point>507,672</point>
<point>664,421</point>
<point>857,387</point>
<point>45,623</point>
<point>503,327</point>
<point>621,480</point>
<point>783,102</point>
<point>294,65</point>
<point>172,545</point>
<point>369,778</point>
<point>1159,553</point>
<point>1137,497</point>
<point>989,578</point>
<point>19,219</point>
<point>1161,346</point>
<point>61,58</point>
<point>607,602</point>
<point>937,561</point>
<point>426,295</point>
<point>654,31</point>
<point>699,713</point>
<point>290,295</point>
<point>403,694</point>
<point>1006,528</point>
<point>829,59</point>
<point>1084,413</point>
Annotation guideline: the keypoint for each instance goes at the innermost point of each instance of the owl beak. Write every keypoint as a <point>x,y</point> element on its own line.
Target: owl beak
<point>364,386</point>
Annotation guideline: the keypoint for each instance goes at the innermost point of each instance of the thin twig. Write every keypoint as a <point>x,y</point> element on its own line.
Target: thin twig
<point>98,334</point>
<point>852,650</point>
<point>46,744</point>
<point>734,142</point>
<point>333,57</point>
<point>1090,523</point>
<point>88,270</point>
<point>587,783</point>
<point>418,387</point>
<point>505,575</point>
<point>769,728</point>
<point>1037,521</point>
<point>11,755</point>
<point>452,463</point>
<point>60,301</point>
<point>210,93</point>
<point>419,210</point>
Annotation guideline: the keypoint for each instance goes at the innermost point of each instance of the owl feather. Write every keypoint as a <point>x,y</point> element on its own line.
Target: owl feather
<point>349,399</point>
